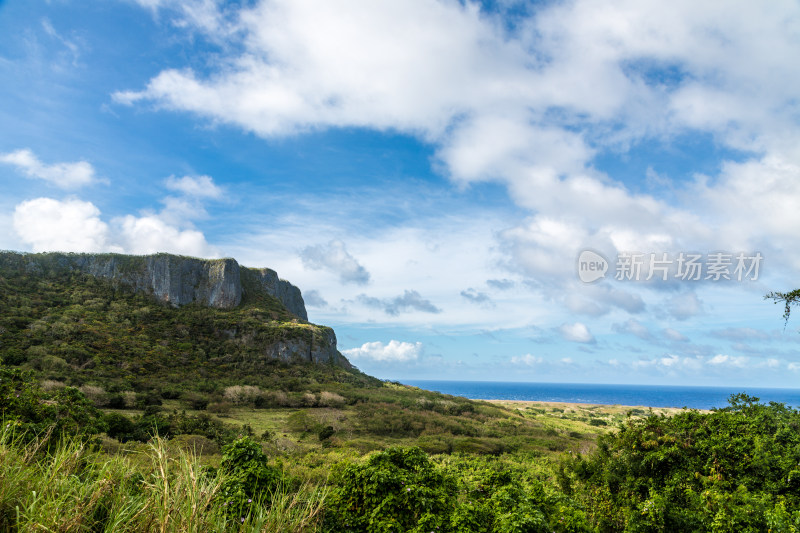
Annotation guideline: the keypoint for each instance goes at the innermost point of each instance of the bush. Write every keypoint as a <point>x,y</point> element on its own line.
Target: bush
<point>14,356</point>
<point>144,399</point>
<point>220,408</point>
<point>51,385</point>
<point>247,475</point>
<point>96,395</point>
<point>120,426</point>
<point>326,433</point>
<point>62,412</point>
<point>399,489</point>
<point>729,470</point>
<point>195,400</point>
<point>331,399</point>
<point>242,394</point>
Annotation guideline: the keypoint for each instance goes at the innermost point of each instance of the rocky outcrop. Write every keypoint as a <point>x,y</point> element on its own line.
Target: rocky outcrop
<point>172,279</point>
<point>289,295</point>
<point>321,348</point>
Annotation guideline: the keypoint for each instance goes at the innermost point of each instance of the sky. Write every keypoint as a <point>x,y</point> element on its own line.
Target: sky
<point>577,191</point>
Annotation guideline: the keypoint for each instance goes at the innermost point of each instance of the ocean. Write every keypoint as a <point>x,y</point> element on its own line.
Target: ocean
<point>638,395</point>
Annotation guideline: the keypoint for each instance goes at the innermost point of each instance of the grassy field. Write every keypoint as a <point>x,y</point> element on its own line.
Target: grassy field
<point>543,429</point>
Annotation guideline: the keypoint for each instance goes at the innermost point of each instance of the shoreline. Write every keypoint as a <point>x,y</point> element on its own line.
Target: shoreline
<point>578,406</point>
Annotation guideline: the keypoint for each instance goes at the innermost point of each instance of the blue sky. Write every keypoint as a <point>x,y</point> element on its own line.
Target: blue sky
<point>428,172</point>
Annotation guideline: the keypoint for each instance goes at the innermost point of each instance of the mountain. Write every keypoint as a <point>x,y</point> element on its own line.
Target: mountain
<point>112,316</point>
<point>172,279</point>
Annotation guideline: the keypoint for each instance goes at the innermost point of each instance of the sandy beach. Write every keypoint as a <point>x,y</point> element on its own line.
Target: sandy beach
<point>568,407</point>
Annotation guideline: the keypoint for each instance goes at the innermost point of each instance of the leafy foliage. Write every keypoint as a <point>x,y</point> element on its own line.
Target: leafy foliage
<point>248,477</point>
<point>735,469</point>
<point>398,489</point>
<point>402,489</point>
<point>788,298</point>
<point>34,411</point>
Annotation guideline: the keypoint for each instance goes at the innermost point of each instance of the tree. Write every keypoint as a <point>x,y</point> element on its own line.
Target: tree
<point>788,298</point>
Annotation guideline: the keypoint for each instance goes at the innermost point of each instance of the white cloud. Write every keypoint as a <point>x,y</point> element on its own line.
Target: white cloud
<point>527,359</point>
<point>63,175</point>
<point>150,234</point>
<point>197,187</point>
<point>529,107</point>
<point>742,334</point>
<point>425,256</point>
<point>672,364</point>
<point>410,301</point>
<point>394,351</point>
<point>205,15</point>
<point>477,297</point>
<point>67,226</point>
<point>577,332</point>
<point>728,360</point>
<point>314,299</point>
<point>335,258</point>
<point>73,225</point>
<point>684,305</point>
<point>674,335</point>
<point>633,327</point>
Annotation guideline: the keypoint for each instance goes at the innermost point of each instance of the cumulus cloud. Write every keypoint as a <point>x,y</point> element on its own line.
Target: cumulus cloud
<point>531,107</point>
<point>408,302</point>
<point>577,332</point>
<point>335,258</point>
<point>63,175</point>
<point>527,359</point>
<point>671,363</point>
<point>73,225</point>
<point>151,234</point>
<point>67,226</point>
<point>728,360</point>
<point>393,352</point>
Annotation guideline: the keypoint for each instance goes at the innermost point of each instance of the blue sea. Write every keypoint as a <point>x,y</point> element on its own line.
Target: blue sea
<point>644,395</point>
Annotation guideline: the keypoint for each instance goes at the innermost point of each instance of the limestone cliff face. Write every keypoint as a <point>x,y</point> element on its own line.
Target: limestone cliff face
<point>319,348</point>
<point>173,279</point>
<point>288,294</point>
<point>217,283</point>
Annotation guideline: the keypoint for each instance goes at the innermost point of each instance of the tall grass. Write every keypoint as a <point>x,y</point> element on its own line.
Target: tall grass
<point>72,487</point>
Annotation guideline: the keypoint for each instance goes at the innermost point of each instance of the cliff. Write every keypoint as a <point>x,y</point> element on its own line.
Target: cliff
<point>172,279</point>
<point>265,316</point>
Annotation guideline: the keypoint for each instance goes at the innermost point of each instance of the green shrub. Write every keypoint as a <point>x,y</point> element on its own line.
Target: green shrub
<point>61,411</point>
<point>398,489</point>
<point>326,433</point>
<point>248,477</point>
<point>733,469</point>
